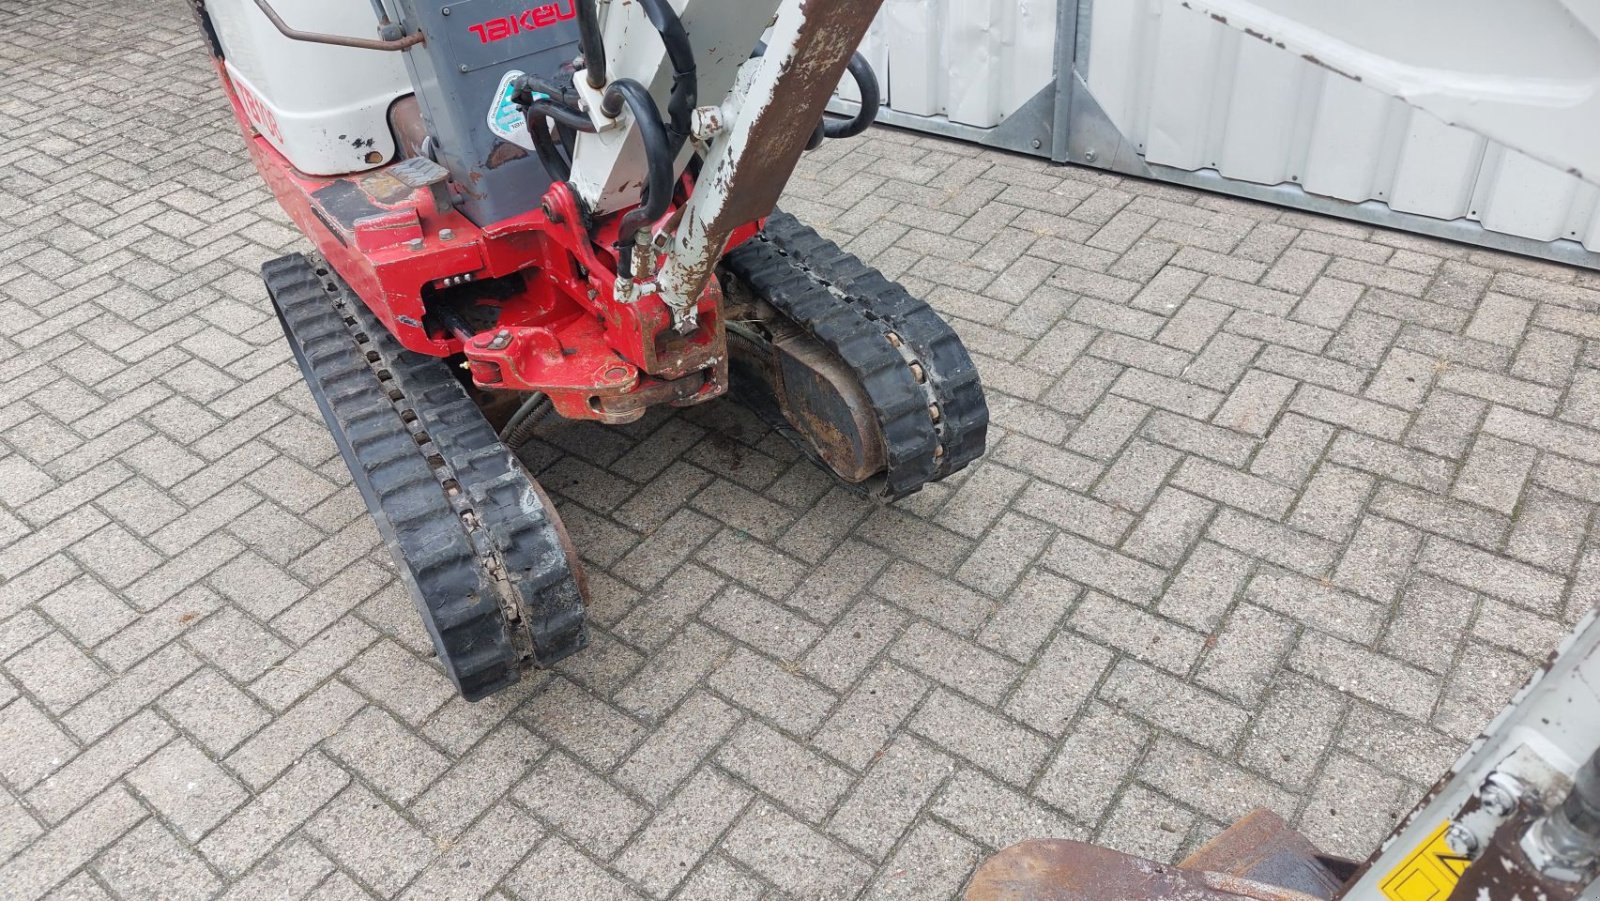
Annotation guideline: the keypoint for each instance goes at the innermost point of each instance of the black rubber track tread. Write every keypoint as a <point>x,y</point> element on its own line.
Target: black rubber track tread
<point>954,377</point>
<point>515,521</point>
<point>430,544</point>
<point>852,309</point>
<point>495,516</point>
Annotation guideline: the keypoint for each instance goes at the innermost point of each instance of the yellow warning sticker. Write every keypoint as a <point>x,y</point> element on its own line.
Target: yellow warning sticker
<point>1428,873</point>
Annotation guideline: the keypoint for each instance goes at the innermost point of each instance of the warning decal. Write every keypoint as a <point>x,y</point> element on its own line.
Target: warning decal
<point>1429,873</point>
<point>505,119</point>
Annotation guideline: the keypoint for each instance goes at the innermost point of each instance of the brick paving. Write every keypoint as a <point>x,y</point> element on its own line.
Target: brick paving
<point>1278,510</point>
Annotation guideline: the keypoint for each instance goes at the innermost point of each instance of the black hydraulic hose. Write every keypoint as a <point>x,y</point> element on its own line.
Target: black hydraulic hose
<point>538,98</point>
<point>685,80</point>
<point>867,85</point>
<point>519,429</point>
<point>590,43</point>
<point>549,157</point>
<point>659,157</point>
<point>565,116</point>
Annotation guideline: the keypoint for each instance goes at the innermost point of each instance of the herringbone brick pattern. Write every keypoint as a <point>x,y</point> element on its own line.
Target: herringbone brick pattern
<point>1278,511</point>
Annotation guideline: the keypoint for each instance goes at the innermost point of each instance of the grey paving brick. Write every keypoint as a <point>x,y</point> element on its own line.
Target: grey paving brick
<point>1549,530</point>
<point>1354,805</point>
<point>1331,502</point>
<point>150,862</point>
<point>763,686</point>
<point>584,806</point>
<point>31,746</point>
<point>805,783</point>
<point>294,732</point>
<point>100,765</point>
<point>1247,652</point>
<point>131,691</point>
<point>187,788</point>
<point>1439,516</point>
<point>1482,683</point>
<point>57,854</point>
<point>762,624</point>
<point>682,832</point>
<point>1292,450</point>
<point>292,870</point>
<point>344,828</point>
<point>1174,705</point>
<point>1371,677</point>
<point>1446,424</point>
<point>1136,477</point>
<point>1271,542</point>
<point>1495,576</point>
<point>582,723</point>
<point>1430,622</point>
<point>1236,489</point>
<point>885,802</point>
<point>994,815</point>
<point>1169,527</point>
<point>1289,738</point>
<point>1020,624</point>
<point>946,658</point>
<point>871,714</point>
<point>56,672</point>
<point>933,862</point>
<point>396,679</point>
<point>388,756</point>
<point>471,869</point>
<point>1137,633</point>
<point>1208,783</point>
<point>273,814</point>
<point>1107,570</point>
<point>1206,587</point>
<point>1146,824</point>
<point>982,738</point>
<point>794,858</point>
<point>1376,561</point>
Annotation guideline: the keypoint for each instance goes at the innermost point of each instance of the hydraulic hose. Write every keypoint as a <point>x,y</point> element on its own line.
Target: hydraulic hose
<point>564,116</point>
<point>685,80</point>
<point>543,100</point>
<point>867,85</point>
<point>591,44</point>
<point>549,157</point>
<point>659,156</point>
<point>871,98</point>
<point>519,429</point>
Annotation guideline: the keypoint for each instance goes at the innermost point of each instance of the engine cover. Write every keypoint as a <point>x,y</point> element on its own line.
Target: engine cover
<point>325,108</point>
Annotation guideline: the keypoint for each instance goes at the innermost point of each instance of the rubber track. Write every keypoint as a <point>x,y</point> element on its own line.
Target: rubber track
<point>853,310</point>
<point>456,512</point>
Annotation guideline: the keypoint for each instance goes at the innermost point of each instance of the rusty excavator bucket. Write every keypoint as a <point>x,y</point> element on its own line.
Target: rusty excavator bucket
<point>1260,857</point>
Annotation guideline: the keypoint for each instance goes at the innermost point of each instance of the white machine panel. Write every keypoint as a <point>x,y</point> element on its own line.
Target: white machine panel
<point>325,108</point>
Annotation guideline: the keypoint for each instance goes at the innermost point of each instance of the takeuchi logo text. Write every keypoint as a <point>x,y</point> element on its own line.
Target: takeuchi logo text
<point>528,20</point>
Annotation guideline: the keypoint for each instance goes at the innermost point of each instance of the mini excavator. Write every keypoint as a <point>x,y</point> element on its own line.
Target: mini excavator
<point>523,208</point>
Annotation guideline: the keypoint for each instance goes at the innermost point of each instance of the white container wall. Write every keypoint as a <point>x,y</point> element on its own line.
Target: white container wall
<point>972,62</point>
<point>1192,93</point>
<point>1204,104</point>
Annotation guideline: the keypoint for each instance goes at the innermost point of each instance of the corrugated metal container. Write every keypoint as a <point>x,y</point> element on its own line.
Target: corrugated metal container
<point>1200,103</point>
<point>1193,94</point>
<point>973,62</point>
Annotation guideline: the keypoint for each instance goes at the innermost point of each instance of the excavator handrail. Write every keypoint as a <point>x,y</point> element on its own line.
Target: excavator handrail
<point>337,40</point>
